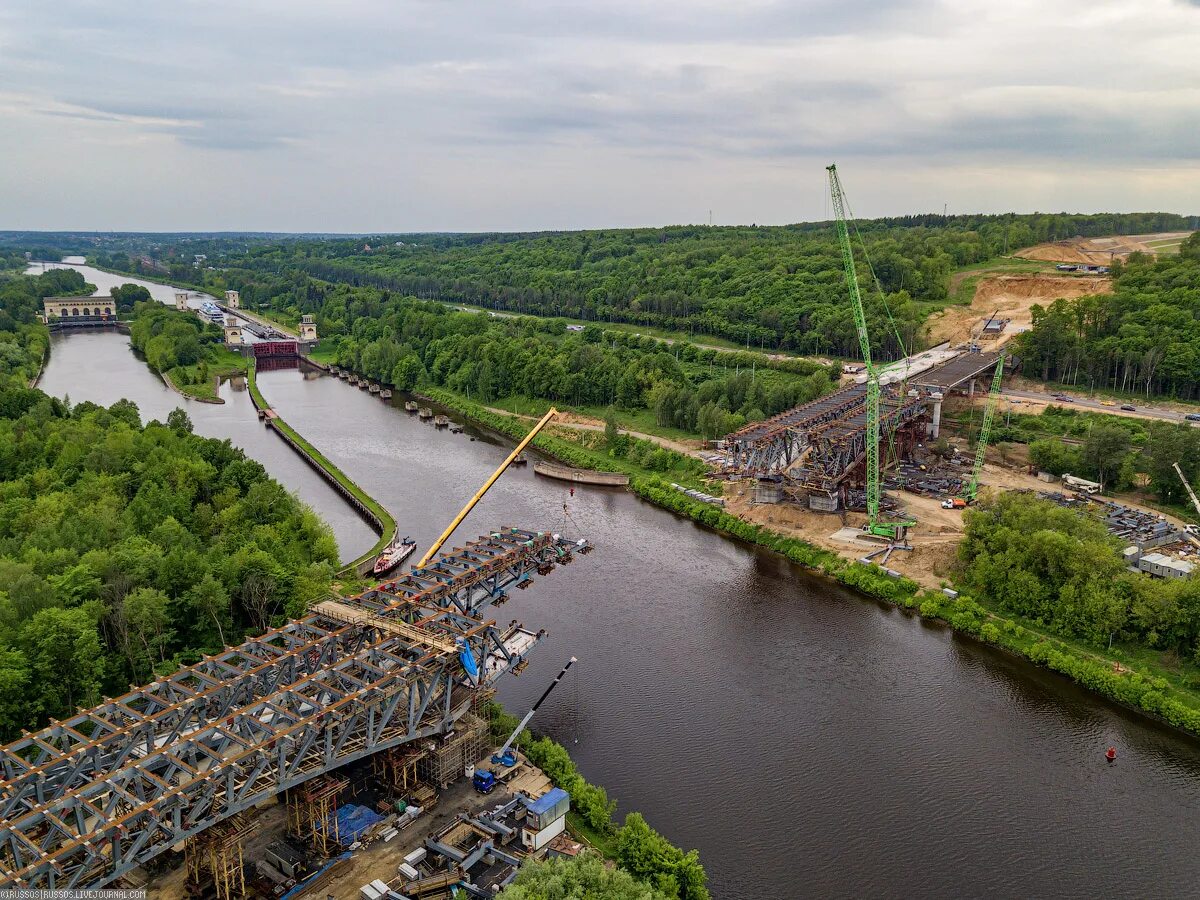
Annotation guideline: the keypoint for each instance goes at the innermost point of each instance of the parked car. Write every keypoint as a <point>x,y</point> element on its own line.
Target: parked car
<point>1193,417</point>
<point>1128,408</point>
<point>1063,398</point>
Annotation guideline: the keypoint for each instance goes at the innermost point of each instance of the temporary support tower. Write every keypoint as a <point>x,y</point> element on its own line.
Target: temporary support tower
<point>217,853</point>
<point>312,812</point>
<point>892,530</point>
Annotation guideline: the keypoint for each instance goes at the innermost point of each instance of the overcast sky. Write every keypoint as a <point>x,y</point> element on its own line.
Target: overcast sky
<point>393,115</point>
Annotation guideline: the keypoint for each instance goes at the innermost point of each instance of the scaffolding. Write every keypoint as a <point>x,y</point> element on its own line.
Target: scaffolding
<point>217,854</point>
<point>447,762</point>
<point>312,813</point>
<point>397,768</point>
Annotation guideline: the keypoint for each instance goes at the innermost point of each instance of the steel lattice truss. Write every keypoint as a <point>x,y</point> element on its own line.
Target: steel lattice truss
<point>90,798</point>
<point>840,446</point>
<point>773,446</point>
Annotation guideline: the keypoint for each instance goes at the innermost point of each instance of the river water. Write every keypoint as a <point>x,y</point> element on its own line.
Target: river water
<point>807,741</point>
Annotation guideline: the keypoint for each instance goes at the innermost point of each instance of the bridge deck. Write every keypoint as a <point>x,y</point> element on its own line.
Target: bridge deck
<point>86,800</point>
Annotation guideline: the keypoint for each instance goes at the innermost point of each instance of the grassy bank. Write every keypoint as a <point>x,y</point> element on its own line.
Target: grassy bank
<point>585,450</point>
<point>1123,678</point>
<point>385,518</point>
<point>202,381</point>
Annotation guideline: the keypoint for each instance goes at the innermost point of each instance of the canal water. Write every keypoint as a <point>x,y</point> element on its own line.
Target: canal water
<point>807,741</point>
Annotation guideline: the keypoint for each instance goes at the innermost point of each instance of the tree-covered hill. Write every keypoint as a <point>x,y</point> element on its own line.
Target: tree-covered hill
<point>125,550</point>
<point>1144,336</point>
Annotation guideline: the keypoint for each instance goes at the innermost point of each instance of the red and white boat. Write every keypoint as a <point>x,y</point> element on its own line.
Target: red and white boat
<point>393,554</point>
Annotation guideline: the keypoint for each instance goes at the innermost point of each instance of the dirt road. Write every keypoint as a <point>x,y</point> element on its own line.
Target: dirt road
<point>1010,297</point>
<point>1101,251</point>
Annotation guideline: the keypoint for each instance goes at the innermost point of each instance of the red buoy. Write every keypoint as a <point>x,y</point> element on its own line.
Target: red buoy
<point>1110,754</point>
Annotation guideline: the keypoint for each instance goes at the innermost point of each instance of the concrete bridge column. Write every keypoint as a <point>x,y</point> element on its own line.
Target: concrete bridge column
<point>936,422</point>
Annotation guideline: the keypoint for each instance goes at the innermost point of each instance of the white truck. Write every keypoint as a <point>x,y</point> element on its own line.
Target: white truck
<point>1081,484</point>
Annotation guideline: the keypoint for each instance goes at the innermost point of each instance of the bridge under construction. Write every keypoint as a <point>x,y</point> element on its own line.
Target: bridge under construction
<point>87,800</point>
<point>821,447</point>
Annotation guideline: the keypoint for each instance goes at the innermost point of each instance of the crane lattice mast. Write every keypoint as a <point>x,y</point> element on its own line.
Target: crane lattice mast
<point>864,343</point>
<point>985,430</point>
<point>892,530</point>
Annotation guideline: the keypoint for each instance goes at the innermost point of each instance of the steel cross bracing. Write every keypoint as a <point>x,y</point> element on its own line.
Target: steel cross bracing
<point>87,799</point>
<point>774,446</point>
<point>838,448</point>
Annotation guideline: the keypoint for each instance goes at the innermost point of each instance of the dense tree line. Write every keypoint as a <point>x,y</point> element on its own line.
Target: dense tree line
<point>24,340</point>
<point>774,287</point>
<point>1063,570</point>
<point>173,341</point>
<point>126,550</point>
<point>1143,337</point>
<point>408,343</point>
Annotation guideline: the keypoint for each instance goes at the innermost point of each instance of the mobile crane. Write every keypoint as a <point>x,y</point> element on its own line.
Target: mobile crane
<point>894,531</point>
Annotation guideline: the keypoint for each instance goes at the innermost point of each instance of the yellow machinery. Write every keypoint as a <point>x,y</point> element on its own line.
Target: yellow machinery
<point>437,545</point>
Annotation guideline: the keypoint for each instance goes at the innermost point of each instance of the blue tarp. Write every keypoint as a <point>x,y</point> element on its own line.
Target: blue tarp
<point>353,820</point>
<point>547,801</point>
<point>468,663</point>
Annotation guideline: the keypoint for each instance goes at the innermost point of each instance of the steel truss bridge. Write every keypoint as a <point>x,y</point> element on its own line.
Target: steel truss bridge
<point>86,800</point>
<point>819,444</point>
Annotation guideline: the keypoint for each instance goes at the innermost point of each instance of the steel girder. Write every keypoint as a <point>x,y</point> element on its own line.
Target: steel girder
<point>774,446</point>
<point>88,799</point>
<point>839,447</point>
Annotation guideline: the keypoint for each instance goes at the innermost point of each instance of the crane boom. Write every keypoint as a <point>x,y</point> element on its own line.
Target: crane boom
<point>985,430</point>
<point>437,545</point>
<point>1187,486</point>
<point>893,530</point>
<point>502,753</point>
<point>864,344</point>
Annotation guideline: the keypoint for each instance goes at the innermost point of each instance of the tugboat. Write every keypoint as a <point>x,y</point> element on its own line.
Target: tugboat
<point>393,554</point>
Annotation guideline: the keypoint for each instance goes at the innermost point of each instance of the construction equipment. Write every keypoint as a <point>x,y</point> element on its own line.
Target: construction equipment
<point>985,432</point>
<point>484,780</point>
<point>894,531</point>
<point>1187,486</point>
<point>437,545</point>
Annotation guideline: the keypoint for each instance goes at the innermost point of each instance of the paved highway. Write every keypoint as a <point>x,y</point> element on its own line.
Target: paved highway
<point>1075,400</point>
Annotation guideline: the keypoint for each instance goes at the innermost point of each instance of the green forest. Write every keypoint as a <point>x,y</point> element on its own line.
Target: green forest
<point>412,343</point>
<point>1144,337</point>
<point>1062,570</point>
<point>128,550</point>
<point>775,288</point>
<point>180,345</point>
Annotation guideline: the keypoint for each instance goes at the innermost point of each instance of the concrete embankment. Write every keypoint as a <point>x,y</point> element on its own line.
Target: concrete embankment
<point>380,520</point>
<point>581,476</point>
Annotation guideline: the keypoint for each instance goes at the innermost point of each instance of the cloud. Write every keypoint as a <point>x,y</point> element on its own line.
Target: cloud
<point>420,113</point>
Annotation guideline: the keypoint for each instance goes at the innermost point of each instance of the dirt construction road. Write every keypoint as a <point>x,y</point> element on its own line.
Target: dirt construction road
<point>1102,251</point>
<point>1010,297</point>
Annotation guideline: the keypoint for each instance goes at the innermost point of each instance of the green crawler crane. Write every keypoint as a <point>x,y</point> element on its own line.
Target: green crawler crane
<point>894,531</point>
<point>985,432</point>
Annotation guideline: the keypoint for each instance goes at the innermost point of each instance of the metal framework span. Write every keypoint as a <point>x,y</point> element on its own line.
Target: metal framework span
<point>88,799</point>
<point>840,447</point>
<point>774,446</point>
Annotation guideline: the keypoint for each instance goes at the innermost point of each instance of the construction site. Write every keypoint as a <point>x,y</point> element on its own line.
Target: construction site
<point>345,754</point>
<point>837,455</point>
